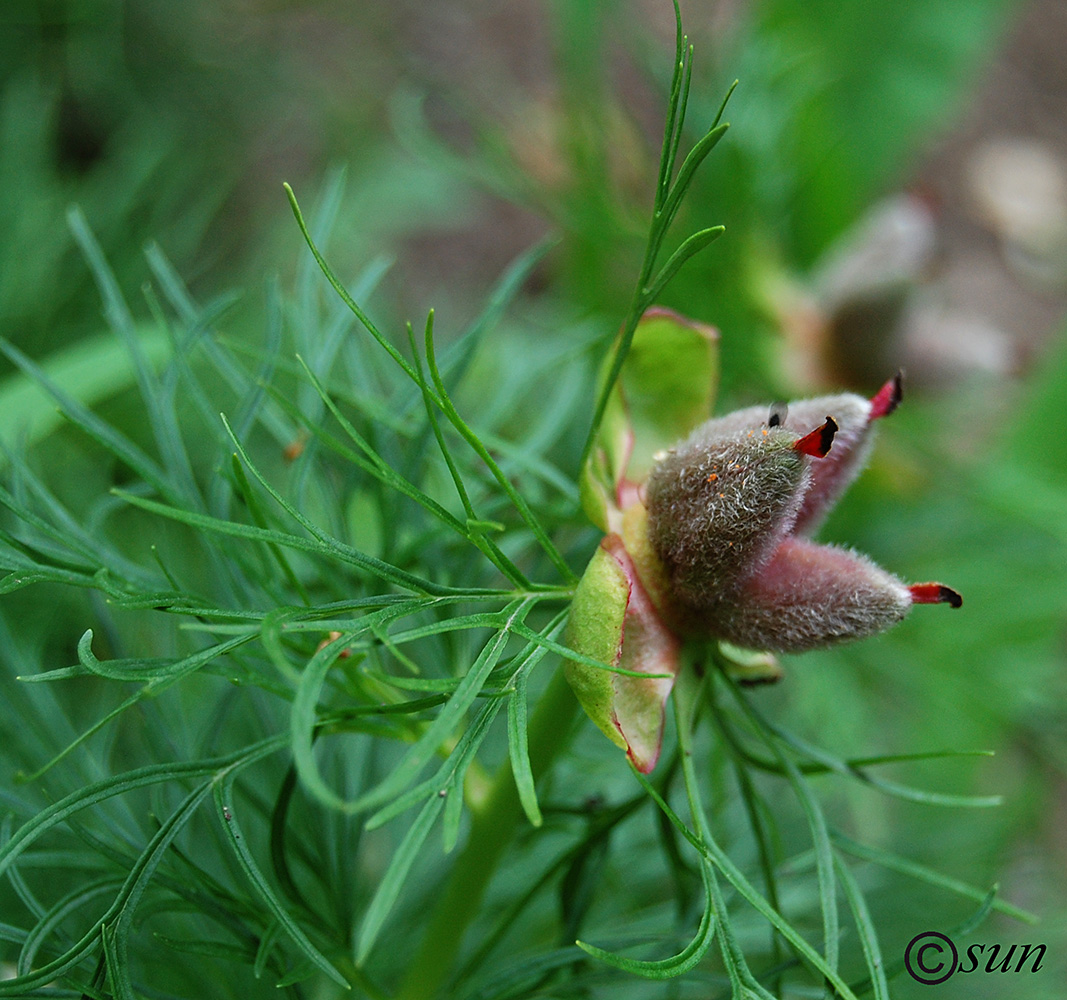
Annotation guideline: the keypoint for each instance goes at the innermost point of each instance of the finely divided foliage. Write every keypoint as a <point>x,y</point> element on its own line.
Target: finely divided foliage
<point>307,615</point>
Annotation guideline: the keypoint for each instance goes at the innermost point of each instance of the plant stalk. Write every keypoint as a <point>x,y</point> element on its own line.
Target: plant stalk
<point>492,830</point>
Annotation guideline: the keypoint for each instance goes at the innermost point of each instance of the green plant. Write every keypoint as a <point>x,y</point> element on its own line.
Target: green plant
<point>296,669</point>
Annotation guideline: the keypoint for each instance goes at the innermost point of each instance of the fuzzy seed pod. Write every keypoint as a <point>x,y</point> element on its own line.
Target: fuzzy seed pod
<point>852,443</point>
<point>807,596</point>
<point>852,446</point>
<point>719,504</point>
<point>724,512</point>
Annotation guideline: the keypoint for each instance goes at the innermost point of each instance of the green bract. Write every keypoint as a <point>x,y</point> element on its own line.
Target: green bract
<point>614,621</point>
<point>665,388</point>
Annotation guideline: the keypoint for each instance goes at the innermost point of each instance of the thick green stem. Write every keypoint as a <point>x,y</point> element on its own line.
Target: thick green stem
<point>492,829</point>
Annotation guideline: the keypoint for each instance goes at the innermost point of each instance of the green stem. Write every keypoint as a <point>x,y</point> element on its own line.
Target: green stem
<point>492,830</point>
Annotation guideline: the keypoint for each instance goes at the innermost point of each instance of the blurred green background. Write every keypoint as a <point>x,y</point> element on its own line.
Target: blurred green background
<point>893,190</point>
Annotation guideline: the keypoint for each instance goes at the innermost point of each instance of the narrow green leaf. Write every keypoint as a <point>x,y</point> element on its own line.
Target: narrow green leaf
<point>681,95</point>
<point>747,891</point>
<point>444,685</point>
<point>71,903</point>
<point>157,402</point>
<point>824,857</point>
<point>126,703</point>
<point>50,816</point>
<point>692,245</point>
<point>234,837</point>
<point>490,549</point>
<point>153,669</point>
<point>266,945</point>
<point>13,935</point>
<point>692,162</point>
<point>254,400</point>
<point>839,766</point>
<point>54,544</point>
<point>210,949</point>
<point>827,761</point>
<point>905,866</point>
<point>672,126</point>
<point>676,965</point>
<point>972,923</point>
<point>456,360</point>
<point>460,623</point>
<point>304,721</point>
<point>686,694</point>
<point>519,752</point>
<point>448,777</point>
<point>260,518</point>
<point>466,692</point>
<point>343,292</point>
<point>300,973</point>
<point>453,816</point>
<point>89,371</point>
<point>333,549</point>
<point>199,323</point>
<point>744,984</point>
<point>116,965</point>
<point>58,523</point>
<point>114,923</point>
<point>303,715</point>
<point>373,463</point>
<point>482,452</point>
<point>321,536</point>
<point>98,429</point>
<point>393,880</point>
<point>756,811</point>
<point>872,951</point>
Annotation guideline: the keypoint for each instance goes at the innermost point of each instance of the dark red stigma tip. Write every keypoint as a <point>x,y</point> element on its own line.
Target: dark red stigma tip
<point>934,593</point>
<point>818,442</point>
<point>888,398</point>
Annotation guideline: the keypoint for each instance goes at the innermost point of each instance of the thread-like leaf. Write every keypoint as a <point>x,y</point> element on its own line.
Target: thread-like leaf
<point>482,452</point>
<point>97,428</point>
<point>690,246</point>
<point>393,880</point>
<point>905,866</point>
<point>333,548</point>
<point>157,402</point>
<point>519,752</point>
<point>872,951</point>
<point>737,879</point>
<point>54,814</point>
<point>224,805</point>
<point>676,965</point>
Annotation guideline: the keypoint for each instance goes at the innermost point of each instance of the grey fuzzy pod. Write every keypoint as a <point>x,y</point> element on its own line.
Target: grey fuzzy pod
<point>719,504</point>
<point>807,596</point>
<point>844,461</point>
<point>835,472</point>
